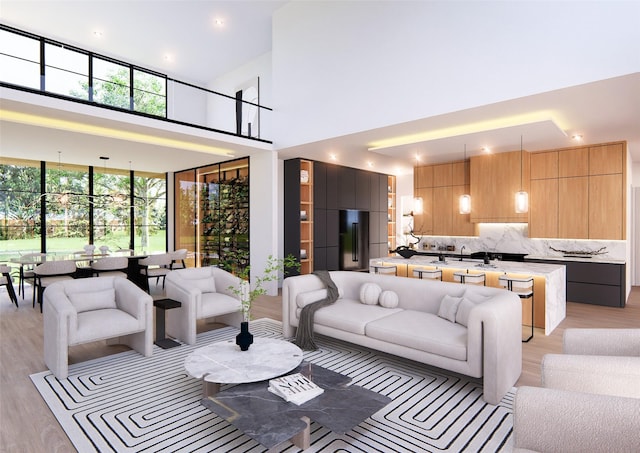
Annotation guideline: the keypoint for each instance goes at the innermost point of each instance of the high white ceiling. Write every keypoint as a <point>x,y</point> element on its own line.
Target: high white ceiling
<point>198,50</point>
<point>145,32</point>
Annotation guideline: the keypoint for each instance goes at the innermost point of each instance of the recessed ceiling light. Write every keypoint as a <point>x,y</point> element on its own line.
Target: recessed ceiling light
<point>97,33</point>
<point>218,21</point>
<point>370,164</point>
<point>486,149</point>
<point>577,137</point>
<point>333,156</point>
<point>167,57</point>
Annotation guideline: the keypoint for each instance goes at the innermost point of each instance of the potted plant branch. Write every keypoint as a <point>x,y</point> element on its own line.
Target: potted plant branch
<point>249,291</point>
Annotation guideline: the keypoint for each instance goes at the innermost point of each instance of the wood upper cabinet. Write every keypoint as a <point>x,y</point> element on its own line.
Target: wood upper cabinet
<point>460,173</point>
<point>606,208</point>
<point>573,162</point>
<point>573,208</point>
<point>440,202</point>
<point>423,176</point>
<point>495,179</point>
<point>461,223</point>
<point>442,175</point>
<point>423,223</point>
<point>544,165</point>
<point>606,159</point>
<point>590,198</point>
<point>543,207</point>
<point>442,216</point>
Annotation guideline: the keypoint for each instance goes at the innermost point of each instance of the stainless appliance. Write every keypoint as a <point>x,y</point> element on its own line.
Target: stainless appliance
<point>354,240</point>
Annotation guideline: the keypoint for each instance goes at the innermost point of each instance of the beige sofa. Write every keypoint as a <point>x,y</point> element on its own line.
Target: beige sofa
<point>482,339</point>
<point>590,396</point>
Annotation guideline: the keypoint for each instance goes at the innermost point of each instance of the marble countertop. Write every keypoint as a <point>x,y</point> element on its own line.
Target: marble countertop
<point>474,264</point>
<point>594,259</point>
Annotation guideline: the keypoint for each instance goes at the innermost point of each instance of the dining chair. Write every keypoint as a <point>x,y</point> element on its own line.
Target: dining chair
<point>7,280</point>
<point>177,259</point>
<point>28,262</point>
<point>50,272</point>
<point>110,266</point>
<point>155,266</point>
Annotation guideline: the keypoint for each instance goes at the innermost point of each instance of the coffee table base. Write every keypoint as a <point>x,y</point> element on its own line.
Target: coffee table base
<point>209,388</point>
<point>303,440</point>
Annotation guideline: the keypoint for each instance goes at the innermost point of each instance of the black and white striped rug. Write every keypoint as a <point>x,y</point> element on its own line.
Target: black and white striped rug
<point>129,403</point>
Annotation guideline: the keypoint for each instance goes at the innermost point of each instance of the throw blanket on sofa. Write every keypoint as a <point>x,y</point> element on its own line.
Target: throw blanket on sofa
<point>304,334</point>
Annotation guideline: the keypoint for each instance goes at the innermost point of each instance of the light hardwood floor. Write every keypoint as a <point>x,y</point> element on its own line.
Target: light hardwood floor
<point>27,425</point>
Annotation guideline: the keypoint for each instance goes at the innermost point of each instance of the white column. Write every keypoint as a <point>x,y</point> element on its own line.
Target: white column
<point>263,217</point>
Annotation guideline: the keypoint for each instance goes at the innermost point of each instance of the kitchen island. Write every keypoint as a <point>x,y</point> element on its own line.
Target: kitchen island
<point>549,280</point>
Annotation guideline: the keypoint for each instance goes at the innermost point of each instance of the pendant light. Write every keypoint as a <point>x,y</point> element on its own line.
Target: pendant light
<point>522,197</point>
<point>465,200</point>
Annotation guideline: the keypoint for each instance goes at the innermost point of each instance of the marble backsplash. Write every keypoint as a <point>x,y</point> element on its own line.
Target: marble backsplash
<point>513,238</point>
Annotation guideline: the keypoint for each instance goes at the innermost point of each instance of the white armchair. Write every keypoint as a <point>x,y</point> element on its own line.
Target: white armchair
<point>204,293</point>
<point>588,402</point>
<point>91,309</point>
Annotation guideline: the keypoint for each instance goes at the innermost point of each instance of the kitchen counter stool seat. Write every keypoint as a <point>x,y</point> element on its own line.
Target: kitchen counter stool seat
<point>384,269</point>
<point>434,274</point>
<point>523,287</point>
<point>467,278</point>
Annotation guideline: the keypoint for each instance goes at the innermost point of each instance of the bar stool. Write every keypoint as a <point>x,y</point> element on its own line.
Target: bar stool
<point>523,287</point>
<point>384,269</point>
<point>432,274</point>
<point>475,278</point>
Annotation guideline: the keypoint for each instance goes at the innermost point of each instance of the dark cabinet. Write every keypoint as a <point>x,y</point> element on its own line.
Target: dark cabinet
<point>334,188</point>
<point>363,190</point>
<point>594,283</point>
<point>347,188</point>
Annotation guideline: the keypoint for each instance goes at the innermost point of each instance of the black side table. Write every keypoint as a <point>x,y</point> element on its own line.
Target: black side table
<point>162,305</point>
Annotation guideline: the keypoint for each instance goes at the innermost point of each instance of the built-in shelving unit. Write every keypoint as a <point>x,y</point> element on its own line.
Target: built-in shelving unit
<point>306,216</point>
<point>391,213</point>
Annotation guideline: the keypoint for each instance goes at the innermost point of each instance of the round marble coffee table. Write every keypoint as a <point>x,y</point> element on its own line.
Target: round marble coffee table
<point>224,362</point>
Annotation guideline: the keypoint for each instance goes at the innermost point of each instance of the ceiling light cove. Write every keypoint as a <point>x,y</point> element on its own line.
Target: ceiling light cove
<point>72,126</point>
<point>471,128</point>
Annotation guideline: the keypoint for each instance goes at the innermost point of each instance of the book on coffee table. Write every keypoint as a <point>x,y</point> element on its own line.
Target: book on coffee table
<point>294,388</point>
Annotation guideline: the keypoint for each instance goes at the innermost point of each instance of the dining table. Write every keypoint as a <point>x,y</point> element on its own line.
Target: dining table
<point>133,270</point>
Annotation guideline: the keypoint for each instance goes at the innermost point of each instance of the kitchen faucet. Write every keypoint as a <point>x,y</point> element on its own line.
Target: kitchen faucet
<point>461,250</point>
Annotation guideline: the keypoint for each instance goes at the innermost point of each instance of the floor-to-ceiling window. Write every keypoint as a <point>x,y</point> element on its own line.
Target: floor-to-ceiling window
<point>67,207</point>
<point>79,205</point>
<point>111,208</point>
<point>150,201</point>
<point>20,204</point>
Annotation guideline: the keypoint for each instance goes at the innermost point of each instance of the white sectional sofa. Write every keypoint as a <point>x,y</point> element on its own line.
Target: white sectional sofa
<point>481,338</point>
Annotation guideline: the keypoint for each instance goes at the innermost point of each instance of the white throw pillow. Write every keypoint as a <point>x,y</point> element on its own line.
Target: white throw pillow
<point>369,293</point>
<point>94,300</point>
<point>388,299</point>
<point>205,285</point>
<point>309,297</point>
<point>449,307</point>
<point>462,316</point>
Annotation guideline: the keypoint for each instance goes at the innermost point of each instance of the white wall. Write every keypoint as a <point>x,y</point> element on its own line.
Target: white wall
<point>264,219</point>
<point>222,111</point>
<point>186,104</point>
<point>343,67</point>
